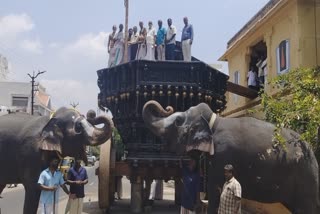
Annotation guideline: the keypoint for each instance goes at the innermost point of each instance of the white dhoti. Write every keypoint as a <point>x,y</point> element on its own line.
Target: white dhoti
<point>186,50</point>
<point>161,52</point>
<point>118,56</point>
<point>186,211</point>
<point>48,208</point>
<point>142,50</point>
<point>76,206</point>
<point>156,190</point>
<point>112,56</point>
<point>150,52</point>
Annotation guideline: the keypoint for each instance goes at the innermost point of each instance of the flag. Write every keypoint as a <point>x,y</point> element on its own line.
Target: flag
<point>125,3</point>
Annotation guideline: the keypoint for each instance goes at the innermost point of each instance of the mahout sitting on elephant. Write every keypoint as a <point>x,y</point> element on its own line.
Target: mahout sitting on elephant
<point>27,143</point>
<point>267,171</point>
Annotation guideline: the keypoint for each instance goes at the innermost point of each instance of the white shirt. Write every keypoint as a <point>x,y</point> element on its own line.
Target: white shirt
<point>119,39</point>
<point>252,78</point>
<point>151,33</point>
<point>134,38</point>
<point>170,32</point>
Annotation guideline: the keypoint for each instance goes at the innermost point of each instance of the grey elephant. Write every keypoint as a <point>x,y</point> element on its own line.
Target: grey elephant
<point>27,142</point>
<point>266,171</point>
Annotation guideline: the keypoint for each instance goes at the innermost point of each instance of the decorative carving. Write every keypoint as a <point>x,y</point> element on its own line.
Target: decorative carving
<point>171,83</point>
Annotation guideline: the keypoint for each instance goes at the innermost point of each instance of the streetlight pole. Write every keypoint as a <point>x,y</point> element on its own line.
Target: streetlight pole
<point>126,4</point>
<point>33,77</point>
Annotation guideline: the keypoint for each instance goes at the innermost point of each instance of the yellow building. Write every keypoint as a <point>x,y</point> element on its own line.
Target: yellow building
<point>284,33</point>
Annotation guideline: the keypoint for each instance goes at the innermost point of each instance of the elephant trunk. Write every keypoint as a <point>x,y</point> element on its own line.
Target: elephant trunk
<point>156,118</point>
<point>98,136</point>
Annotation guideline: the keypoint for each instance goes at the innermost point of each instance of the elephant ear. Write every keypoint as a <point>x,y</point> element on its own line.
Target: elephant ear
<point>201,137</point>
<point>51,136</point>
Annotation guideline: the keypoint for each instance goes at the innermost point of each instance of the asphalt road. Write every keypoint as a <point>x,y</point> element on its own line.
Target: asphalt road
<point>12,201</point>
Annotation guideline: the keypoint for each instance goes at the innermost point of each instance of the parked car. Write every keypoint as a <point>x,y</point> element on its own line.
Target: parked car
<point>65,165</point>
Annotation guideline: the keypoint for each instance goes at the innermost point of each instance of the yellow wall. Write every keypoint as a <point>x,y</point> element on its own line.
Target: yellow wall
<point>309,27</point>
<point>294,20</point>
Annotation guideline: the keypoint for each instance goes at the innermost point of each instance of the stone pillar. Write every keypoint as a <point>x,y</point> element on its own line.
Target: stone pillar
<point>159,190</point>
<point>177,191</point>
<point>136,195</point>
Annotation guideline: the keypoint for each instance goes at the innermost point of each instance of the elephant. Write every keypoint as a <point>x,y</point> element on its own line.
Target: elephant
<point>27,142</point>
<point>267,171</point>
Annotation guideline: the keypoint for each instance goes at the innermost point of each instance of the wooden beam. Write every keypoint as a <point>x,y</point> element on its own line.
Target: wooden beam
<point>123,168</point>
<point>241,90</point>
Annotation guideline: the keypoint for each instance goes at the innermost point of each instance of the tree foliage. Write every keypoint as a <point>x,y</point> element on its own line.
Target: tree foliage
<point>296,105</point>
<point>118,144</point>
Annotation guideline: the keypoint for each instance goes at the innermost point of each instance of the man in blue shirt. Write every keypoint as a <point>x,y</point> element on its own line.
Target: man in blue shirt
<point>49,181</point>
<point>160,39</point>
<point>77,178</point>
<point>186,40</point>
<point>190,197</point>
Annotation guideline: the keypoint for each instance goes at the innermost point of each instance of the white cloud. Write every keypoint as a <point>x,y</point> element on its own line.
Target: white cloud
<point>92,46</point>
<point>14,24</point>
<point>32,46</point>
<point>64,92</point>
<point>54,45</point>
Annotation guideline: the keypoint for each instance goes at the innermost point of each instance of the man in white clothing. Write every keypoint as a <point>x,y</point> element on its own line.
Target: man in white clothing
<point>252,79</point>
<point>150,41</point>
<point>170,40</point>
<point>111,49</point>
<point>119,47</point>
<point>186,40</point>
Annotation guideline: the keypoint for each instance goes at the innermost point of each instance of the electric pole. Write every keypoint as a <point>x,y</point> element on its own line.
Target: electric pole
<point>33,77</point>
<point>126,5</point>
<point>74,105</point>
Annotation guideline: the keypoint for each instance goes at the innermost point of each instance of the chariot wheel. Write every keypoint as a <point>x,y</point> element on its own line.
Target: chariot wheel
<point>106,178</point>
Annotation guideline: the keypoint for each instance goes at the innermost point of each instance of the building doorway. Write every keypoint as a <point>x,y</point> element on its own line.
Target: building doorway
<point>258,62</point>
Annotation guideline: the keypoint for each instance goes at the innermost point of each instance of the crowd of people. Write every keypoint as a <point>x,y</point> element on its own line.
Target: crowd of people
<point>149,43</point>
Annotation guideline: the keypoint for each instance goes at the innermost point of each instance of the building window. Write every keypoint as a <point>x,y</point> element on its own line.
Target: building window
<point>236,80</point>
<point>283,56</point>
<point>19,101</point>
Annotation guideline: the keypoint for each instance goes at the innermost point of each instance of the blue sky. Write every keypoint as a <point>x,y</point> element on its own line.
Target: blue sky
<point>67,38</point>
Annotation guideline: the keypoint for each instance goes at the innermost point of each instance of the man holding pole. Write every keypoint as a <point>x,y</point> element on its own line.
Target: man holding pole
<point>49,181</point>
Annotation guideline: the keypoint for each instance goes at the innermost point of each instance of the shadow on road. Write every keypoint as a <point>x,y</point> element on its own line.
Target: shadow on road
<point>123,207</point>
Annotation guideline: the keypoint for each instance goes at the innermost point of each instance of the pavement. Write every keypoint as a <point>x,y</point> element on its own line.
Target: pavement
<point>12,201</point>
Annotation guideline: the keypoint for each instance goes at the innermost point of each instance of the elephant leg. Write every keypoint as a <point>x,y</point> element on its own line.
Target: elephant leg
<point>31,199</point>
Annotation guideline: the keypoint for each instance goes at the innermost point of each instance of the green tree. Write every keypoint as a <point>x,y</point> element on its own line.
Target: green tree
<point>118,144</point>
<point>296,105</point>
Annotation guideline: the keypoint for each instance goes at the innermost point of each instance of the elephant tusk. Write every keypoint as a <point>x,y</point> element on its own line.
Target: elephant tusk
<point>212,119</point>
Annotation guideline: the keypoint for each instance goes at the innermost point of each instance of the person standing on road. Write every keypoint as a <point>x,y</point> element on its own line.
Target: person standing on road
<point>190,198</point>
<point>230,199</point>
<point>49,181</point>
<point>186,40</point>
<point>77,178</point>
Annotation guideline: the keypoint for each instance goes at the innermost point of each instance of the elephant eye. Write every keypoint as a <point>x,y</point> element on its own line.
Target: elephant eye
<point>78,127</point>
<point>179,121</point>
